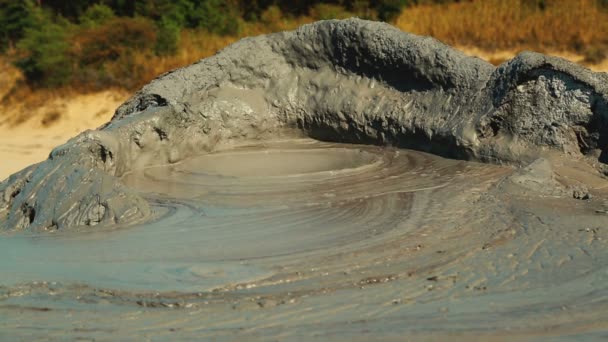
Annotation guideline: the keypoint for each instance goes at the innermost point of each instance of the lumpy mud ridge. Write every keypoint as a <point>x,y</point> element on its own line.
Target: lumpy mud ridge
<point>342,181</point>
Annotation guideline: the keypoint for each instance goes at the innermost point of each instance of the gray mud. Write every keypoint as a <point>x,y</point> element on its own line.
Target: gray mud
<point>204,209</point>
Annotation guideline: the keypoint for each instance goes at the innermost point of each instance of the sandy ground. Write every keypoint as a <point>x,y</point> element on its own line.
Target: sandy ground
<point>51,125</point>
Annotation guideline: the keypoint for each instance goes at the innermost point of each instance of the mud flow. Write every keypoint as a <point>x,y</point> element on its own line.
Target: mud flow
<point>299,239</point>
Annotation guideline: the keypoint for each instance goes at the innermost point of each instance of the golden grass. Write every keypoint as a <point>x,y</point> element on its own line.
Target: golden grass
<point>566,25</point>
<point>195,44</point>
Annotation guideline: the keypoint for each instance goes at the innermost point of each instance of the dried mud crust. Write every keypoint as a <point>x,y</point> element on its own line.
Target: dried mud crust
<point>346,81</point>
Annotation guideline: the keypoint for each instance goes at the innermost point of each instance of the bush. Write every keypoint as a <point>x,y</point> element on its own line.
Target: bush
<point>96,15</point>
<point>329,11</point>
<point>179,12</point>
<point>97,50</point>
<point>364,10</point>
<point>595,54</point>
<point>390,9</point>
<point>167,40</point>
<point>45,48</point>
<point>272,17</point>
<point>15,18</point>
<point>219,16</point>
<point>108,42</point>
<point>71,9</point>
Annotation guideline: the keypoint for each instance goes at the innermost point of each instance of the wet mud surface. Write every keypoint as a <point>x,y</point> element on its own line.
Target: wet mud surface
<point>300,239</point>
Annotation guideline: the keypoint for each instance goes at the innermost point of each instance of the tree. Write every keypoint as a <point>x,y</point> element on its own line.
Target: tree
<point>71,10</point>
<point>45,49</point>
<point>96,15</point>
<point>122,8</point>
<point>389,9</point>
<point>178,11</point>
<point>218,16</point>
<point>15,18</point>
<point>167,39</point>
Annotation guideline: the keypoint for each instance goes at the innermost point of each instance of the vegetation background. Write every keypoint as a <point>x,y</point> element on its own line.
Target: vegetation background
<point>51,46</point>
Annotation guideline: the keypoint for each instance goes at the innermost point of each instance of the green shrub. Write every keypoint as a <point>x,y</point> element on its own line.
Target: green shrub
<point>167,40</point>
<point>70,9</point>
<point>96,15</point>
<point>45,48</point>
<point>329,11</point>
<point>390,9</point>
<point>15,18</point>
<point>218,16</point>
<point>179,12</point>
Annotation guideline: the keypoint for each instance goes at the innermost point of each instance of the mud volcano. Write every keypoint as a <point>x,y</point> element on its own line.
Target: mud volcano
<point>345,180</point>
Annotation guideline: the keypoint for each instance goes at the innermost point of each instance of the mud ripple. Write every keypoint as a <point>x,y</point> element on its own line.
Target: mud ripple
<point>305,239</point>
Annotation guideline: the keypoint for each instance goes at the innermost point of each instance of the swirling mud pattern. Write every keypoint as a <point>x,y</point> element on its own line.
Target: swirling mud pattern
<point>295,197</point>
<point>298,238</point>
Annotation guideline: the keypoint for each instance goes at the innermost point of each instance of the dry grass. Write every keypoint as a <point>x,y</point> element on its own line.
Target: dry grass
<point>566,25</point>
<point>195,45</point>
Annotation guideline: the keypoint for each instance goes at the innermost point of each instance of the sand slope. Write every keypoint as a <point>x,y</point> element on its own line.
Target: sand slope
<point>51,125</point>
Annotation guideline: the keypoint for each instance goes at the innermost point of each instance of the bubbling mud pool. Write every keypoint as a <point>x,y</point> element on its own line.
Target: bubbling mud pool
<point>305,239</point>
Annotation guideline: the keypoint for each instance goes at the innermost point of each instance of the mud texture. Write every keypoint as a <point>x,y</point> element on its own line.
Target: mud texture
<point>306,240</point>
<point>273,192</point>
<point>347,81</point>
